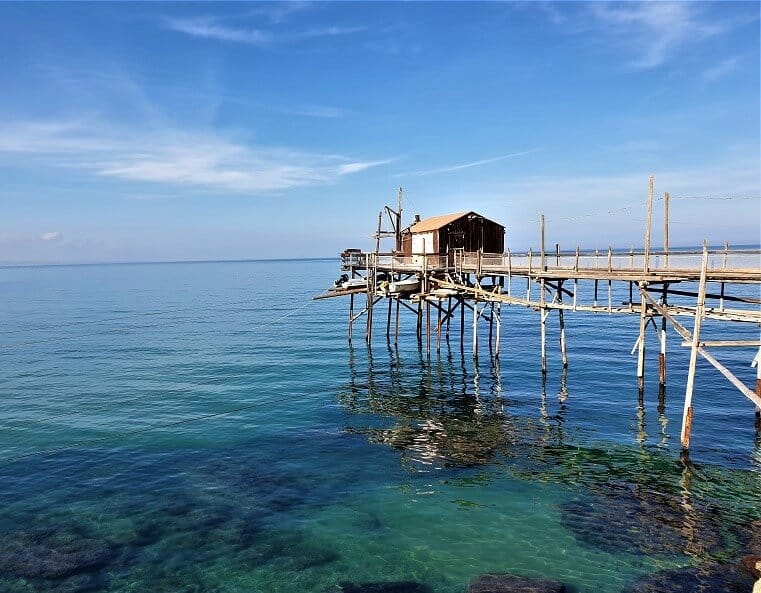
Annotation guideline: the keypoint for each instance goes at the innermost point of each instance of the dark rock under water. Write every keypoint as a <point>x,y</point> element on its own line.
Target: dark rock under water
<point>709,578</point>
<point>630,518</point>
<point>390,587</point>
<point>50,554</point>
<point>509,583</point>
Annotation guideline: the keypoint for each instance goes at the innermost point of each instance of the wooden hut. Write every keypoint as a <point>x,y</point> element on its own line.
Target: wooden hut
<point>439,235</point>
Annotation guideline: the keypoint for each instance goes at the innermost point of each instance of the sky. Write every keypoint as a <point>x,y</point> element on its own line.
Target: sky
<point>187,131</point>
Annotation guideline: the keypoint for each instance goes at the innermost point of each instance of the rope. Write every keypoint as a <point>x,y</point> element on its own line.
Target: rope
<point>657,199</point>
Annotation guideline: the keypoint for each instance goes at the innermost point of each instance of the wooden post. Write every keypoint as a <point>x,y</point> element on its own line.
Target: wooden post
<point>462,322</point>
<point>648,221</point>
<point>396,321</point>
<point>662,354</point>
<point>427,326</point>
<point>610,282</point>
<point>699,307</point>
<point>499,323</point>
<point>351,315</point>
<point>561,321</point>
<point>388,322</point>
<point>491,323</point>
<point>666,198</point>
<point>757,362</point>
<point>541,237</point>
<point>438,327</point>
<point>475,328</point>
<point>542,310</point>
<point>641,343</point>
<point>378,233</point>
<point>575,278</point>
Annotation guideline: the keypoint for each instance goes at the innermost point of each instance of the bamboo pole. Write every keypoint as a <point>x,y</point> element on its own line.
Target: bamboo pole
<point>699,306</point>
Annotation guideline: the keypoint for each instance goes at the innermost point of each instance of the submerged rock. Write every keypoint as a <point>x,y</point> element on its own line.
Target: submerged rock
<point>752,564</point>
<point>624,518</point>
<point>389,587</point>
<point>45,553</point>
<point>712,578</point>
<point>509,583</point>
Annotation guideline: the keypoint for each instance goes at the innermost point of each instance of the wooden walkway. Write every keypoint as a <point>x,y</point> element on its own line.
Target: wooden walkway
<point>673,287</point>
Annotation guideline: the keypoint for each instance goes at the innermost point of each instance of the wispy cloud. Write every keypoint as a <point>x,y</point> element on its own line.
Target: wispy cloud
<point>652,33</point>
<point>462,166</point>
<point>51,236</point>
<point>175,157</point>
<point>209,27</point>
<point>720,70</point>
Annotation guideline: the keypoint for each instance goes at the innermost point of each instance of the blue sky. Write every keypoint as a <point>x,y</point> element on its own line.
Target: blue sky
<point>210,131</point>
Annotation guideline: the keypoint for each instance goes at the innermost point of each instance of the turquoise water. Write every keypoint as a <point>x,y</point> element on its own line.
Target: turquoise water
<point>206,427</point>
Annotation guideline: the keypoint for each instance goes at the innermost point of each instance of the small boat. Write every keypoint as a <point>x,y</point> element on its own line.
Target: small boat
<point>407,285</point>
<point>353,283</point>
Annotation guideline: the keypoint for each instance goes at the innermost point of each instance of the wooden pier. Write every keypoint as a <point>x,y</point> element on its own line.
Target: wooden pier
<point>676,287</point>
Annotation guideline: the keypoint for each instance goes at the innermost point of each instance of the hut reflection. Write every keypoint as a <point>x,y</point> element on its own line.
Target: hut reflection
<point>444,411</point>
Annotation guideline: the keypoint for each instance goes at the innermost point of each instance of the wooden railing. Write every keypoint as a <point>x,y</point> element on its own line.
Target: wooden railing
<point>718,259</point>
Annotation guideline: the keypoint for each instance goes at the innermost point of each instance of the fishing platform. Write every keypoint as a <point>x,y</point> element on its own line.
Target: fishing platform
<point>456,265</point>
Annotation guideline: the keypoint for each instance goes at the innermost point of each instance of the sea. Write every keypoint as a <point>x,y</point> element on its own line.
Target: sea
<point>207,427</point>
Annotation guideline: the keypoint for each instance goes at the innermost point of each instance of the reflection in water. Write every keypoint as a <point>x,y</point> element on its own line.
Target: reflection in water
<point>445,414</point>
<point>663,420</point>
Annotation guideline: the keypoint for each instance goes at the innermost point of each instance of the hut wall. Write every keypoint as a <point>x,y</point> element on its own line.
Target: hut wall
<point>472,234</point>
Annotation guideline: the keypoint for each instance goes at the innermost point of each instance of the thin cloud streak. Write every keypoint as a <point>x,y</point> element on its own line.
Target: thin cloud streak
<point>653,33</point>
<point>465,165</point>
<point>174,157</point>
<point>210,28</point>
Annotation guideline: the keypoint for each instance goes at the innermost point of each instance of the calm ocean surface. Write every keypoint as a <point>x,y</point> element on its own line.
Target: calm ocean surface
<point>207,428</point>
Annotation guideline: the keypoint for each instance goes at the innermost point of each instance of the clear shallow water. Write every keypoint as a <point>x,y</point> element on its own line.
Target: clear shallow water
<point>205,427</point>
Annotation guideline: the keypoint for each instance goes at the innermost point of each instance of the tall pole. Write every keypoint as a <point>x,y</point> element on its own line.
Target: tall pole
<point>699,307</point>
<point>666,198</point>
<point>649,220</point>
<point>399,196</point>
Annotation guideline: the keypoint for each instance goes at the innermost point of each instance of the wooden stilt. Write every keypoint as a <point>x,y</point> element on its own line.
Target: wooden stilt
<point>699,310</point>
<point>388,322</point>
<point>641,343</point>
<point>561,322</point>
<point>438,328</point>
<point>757,363</point>
<point>449,314</point>
<point>499,324</point>
<point>662,353</point>
<point>475,328</point>
<point>491,324</point>
<point>462,322</point>
<point>351,315</point>
<point>427,327</point>
<point>396,321</point>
